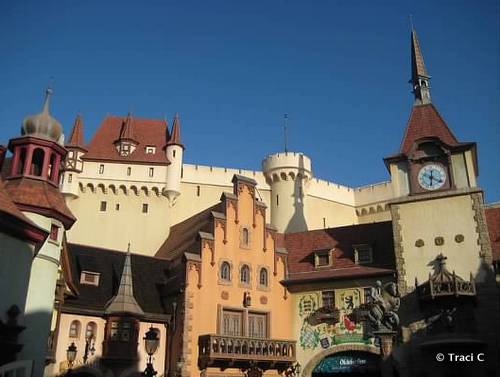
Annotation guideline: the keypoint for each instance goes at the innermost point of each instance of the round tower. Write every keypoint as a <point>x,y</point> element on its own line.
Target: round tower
<point>174,151</point>
<point>288,174</point>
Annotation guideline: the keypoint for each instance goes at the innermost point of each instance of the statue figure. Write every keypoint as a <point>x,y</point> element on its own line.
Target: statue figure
<point>382,308</point>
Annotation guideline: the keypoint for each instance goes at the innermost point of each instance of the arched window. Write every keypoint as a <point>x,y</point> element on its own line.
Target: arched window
<point>245,274</point>
<point>245,237</point>
<point>263,277</point>
<point>52,167</point>
<point>91,330</point>
<point>74,329</point>
<point>37,162</point>
<point>22,160</point>
<point>225,271</point>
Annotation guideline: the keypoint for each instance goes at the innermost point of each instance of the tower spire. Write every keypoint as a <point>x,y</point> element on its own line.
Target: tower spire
<point>124,301</point>
<point>419,76</point>
<point>175,135</point>
<point>76,136</point>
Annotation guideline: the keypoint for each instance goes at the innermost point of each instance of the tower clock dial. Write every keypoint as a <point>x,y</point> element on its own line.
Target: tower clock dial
<point>432,177</point>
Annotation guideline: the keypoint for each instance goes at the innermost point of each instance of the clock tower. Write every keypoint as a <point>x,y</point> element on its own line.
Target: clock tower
<point>437,206</point>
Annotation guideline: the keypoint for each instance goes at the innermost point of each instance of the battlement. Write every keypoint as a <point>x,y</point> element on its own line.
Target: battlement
<point>285,165</point>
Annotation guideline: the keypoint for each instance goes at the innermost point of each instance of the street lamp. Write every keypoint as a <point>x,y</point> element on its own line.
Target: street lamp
<point>151,343</point>
<point>89,347</point>
<point>71,356</point>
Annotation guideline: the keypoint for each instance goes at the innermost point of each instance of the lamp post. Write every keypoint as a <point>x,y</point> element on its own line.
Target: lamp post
<point>151,343</point>
<point>71,356</point>
<point>89,345</point>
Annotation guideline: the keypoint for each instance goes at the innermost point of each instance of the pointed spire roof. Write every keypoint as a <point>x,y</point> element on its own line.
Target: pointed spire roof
<point>124,301</point>
<point>76,136</point>
<point>419,76</point>
<point>417,59</point>
<point>175,135</point>
<point>127,131</point>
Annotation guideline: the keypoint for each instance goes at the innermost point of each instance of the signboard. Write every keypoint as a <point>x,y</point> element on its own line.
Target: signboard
<point>346,362</point>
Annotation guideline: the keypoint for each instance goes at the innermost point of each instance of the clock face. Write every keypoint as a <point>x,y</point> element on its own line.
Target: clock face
<point>432,177</point>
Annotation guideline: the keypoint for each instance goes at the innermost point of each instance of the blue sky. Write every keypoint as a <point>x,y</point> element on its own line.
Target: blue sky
<point>231,69</point>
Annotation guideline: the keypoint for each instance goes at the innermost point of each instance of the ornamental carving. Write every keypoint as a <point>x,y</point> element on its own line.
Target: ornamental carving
<point>380,312</point>
<point>443,283</point>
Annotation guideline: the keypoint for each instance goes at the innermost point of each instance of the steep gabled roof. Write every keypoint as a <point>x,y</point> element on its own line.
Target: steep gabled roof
<point>425,122</point>
<point>184,236</point>
<point>149,276</point>
<point>146,132</point>
<point>302,247</point>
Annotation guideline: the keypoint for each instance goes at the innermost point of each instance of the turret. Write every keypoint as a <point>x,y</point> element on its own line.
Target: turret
<point>33,185</point>
<point>288,174</point>
<point>174,151</point>
<point>73,164</point>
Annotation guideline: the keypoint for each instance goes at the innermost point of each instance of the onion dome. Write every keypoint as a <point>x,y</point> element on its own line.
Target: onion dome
<point>43,125</point>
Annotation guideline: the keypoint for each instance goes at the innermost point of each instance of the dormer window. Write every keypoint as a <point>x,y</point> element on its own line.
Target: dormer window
<point>323,258</point>
<point>363,254</point>
<point>89,278</point>
<point>150,149</point>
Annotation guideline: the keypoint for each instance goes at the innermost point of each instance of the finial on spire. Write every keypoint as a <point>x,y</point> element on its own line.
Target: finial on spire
<point>46,102</point>
<point>410,16</point>
<point>128,248</point>
<point>419,76</point>
<point>285,131</point>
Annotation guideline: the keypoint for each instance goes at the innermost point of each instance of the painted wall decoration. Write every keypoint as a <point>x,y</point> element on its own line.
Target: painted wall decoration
<point>323,327</point>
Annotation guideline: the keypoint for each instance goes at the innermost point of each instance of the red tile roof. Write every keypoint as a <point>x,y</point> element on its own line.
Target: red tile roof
<point>302,246</point>
<point>147,132</point>
<point>41,197</point>
<point>493,221</point>
<point>76,137</point>
<point>425,121</point>
<point>15,222</point>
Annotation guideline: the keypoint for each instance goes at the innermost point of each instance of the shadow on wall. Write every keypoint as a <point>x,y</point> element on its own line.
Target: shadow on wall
<point>451,325</point>
<point>298,221</point>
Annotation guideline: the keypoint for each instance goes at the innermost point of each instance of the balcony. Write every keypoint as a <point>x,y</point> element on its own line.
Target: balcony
<point>245,352</point>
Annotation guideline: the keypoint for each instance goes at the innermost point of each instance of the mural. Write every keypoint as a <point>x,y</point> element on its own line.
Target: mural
<point>325,326</point>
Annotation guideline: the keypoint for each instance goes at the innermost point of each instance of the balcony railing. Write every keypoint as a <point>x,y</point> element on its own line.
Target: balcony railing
<point>241,352</point>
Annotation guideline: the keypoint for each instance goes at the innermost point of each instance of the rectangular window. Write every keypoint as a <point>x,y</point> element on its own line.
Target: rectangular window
<point>54,232</point>
<point>197,190</point>
<point>144,208</point>
<point>232,322</point>
<point>70,178</point>
<point>328,298</point>
<point>101,169</point>
<point>277,200</point>
<point>117,206</point>
<point>129,171</point>
<point>150,150</point>
<point>89,278</point>
<point>322,258</point>
<point>103,206</point>
<point>257,325</point>
<point>363,254</point>
<point>151,172</point>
